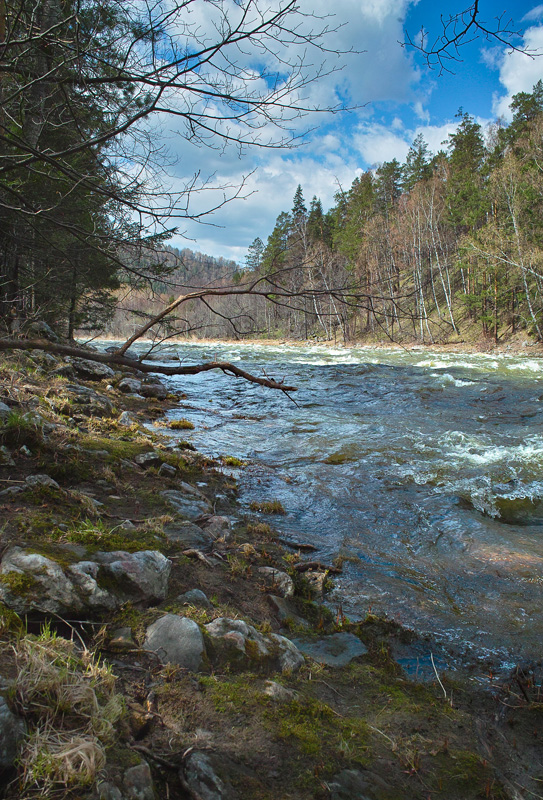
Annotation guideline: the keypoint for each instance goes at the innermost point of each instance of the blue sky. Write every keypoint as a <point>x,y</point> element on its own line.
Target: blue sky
<point>399,97</point>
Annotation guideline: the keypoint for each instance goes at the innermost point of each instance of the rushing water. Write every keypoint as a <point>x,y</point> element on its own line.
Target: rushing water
<point>425,470</point>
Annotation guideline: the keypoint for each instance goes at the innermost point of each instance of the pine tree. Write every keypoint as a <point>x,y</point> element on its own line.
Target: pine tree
<point>417,165</point>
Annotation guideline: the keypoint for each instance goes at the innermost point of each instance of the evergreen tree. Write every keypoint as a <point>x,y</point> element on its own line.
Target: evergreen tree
<point>465,196</point>
<point>253,259</point>
<point>388,184</point>
<point>417,165</point>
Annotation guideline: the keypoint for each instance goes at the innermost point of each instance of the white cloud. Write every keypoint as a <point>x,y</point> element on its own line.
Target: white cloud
<point>519,72</point>
<point>535,14</point>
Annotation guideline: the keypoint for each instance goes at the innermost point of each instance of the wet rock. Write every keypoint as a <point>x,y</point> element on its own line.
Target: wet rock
<point>217,527</point>
<point>281,583</point>
<point>167,471</point>
<point>127,419</point>
<point>12,730</point>
<point>279,693</point>
<point>187,534</point>
<point>129,386</point>
<point>237,640</point>
<point>195,597</point>
<point>176,640</point>
<point>146,460</point>
<point>191,506</point>
<point>156,390</point>
<point>92,370</point>
<point>41,480</point>
<point>138,783</point>
<point>202,778</point>
<point>336,650</point>
<point>5,411</point>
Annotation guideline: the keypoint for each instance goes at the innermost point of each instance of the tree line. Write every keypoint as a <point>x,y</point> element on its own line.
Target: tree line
<point>428,249</point>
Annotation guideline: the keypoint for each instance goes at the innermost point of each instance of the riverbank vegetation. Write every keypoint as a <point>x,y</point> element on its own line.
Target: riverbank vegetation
<point>95,706</point>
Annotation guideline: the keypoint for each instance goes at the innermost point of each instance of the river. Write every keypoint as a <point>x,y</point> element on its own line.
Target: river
<point>424,470</point>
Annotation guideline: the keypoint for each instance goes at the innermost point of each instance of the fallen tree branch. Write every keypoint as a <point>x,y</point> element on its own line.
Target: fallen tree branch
<point>118,360</point>
<point>193,553</point>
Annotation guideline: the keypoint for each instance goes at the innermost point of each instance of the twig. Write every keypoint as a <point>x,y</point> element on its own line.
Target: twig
<point>192,553</point>
<point>437,676</point>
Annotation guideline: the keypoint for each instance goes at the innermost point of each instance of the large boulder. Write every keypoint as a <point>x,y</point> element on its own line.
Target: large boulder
<point>238,641</point>
<point>176,640</point>
<point>41,330</point>
<point>63,583</point>
<point>129,386</point>
<point>154,389</point>
<point>92,370</point>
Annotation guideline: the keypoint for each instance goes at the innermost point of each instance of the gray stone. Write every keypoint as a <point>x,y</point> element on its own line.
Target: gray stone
<point>11,490</point>
<point>108,791</point>
<point>12,730</point>
<point>167,471</point>
<point>236,637</point>
<point>146,460</point>
<point>279,693</point>
<point>187,534</point>
<point>176,640</point>
<point>5,411</point>
<point>129,386</point>
<point>89,401</point>
<point>41,480</point>
<point>202,779</point>
<point>138,783</point>
<point>92,370</point>
<point>25,451</point>
<point>48,586</point>
<point>127,419</point>
<point>217,527</point>
<point>156,390</point>
<point>187,505</point>
<point>42,330</point>
<point>195,597</point>
<point>336,650</point>
<point>139,577</point>
<point>43,358</point>
<point>281,583</point>
<point>6,459</point>
<point>286,611</point>
<point>352,784</point>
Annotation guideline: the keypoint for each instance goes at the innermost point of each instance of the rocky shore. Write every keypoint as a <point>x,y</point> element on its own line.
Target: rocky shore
<point>157,643</point>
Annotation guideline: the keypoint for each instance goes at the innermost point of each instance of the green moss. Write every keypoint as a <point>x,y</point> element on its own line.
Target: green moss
<point>268,506</point>
<point>10,622</point>
<point>19,583</point>
<point>232,461</point>
<point>180,425</point>
<point>117,448</point>
<point>19,430</point>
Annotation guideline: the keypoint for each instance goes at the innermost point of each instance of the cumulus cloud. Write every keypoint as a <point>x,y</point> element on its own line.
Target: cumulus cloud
<point>518,72</point>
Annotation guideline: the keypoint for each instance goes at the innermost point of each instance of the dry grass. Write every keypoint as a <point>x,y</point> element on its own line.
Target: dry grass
<point>68,700</point>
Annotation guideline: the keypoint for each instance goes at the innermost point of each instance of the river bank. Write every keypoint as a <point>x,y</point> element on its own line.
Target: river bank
<point>205,639</point>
